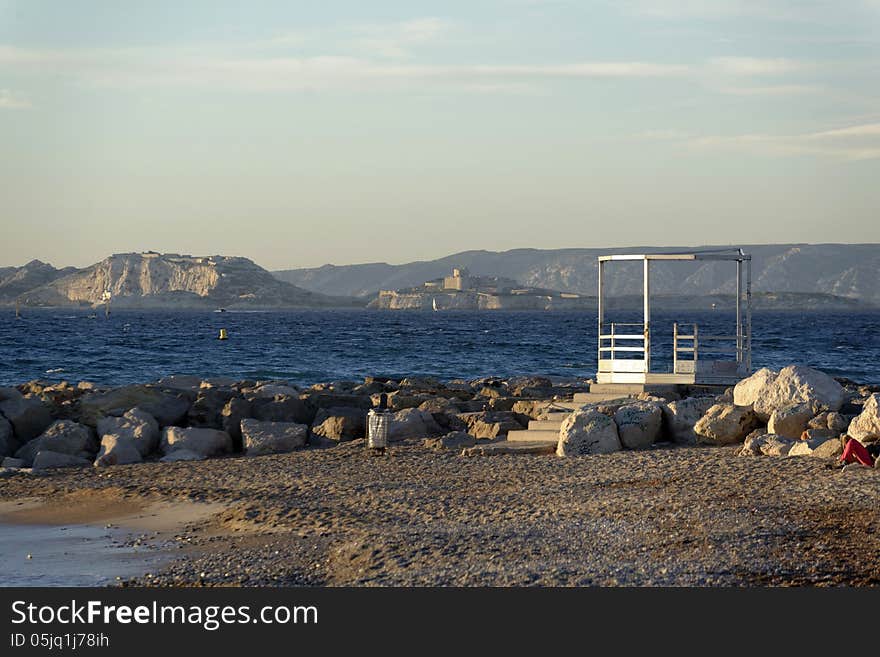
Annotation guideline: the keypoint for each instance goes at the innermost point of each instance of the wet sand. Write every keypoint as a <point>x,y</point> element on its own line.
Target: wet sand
<point>675,516</point>
<point>90,537</point>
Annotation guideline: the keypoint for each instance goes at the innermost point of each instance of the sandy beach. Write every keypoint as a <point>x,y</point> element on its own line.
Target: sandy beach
<point>680,516</point>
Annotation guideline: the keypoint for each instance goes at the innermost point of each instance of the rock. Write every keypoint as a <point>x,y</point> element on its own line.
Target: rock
<point>62,437</point>
<point>506,448</point>
<point>817,434</point>
<point>272,390</point>
<point>682,415</point>
<point>10,462</point>
<point>398,401</point>
<point>490,424</point>
<point>117,450</point>
<point>753,443</point>
<point>452,440</point>
<point>747,391</point>
<point>794,384</point>
<point>817,447</point>
<point>534,410</point>
<point>865,427</point>
<point>28,416</point>
<point>205,442</point>
<point>46,459</point>
<point>587,432</point>
<point>182,455</point>
<point>207,409</point>
<point>436,405</point>
<point>231,416</point>
<point>136,426</point>
<point>283,409</point>
<point>166,406</point>
<point>492,391</point>
<point>790,421</point>
<point>8,443</point>
<point>181,382</point>
<point>835,423</point>
<point>412,423</point>
<point>427,383</point>
<point>371,388</point>
<point>774,445</point>
<point>340,424</point>
<point>272,437</point>
<point>638,425</point>
<point>502,403</point>
<point>335,399</point>
<point>725,424</point>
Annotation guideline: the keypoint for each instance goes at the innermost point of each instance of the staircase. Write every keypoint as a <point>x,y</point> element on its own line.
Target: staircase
<point>547,430</point>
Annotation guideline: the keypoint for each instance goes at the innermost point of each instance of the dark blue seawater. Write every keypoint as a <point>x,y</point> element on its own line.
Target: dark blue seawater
<point>313,346</point>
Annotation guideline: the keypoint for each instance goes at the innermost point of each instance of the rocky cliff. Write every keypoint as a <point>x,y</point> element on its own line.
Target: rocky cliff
<point>145,280</point>
<point>18,281</point>
<point>845,270</point>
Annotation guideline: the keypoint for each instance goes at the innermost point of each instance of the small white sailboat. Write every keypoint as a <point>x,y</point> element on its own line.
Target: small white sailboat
<point>17,309</point>
<point>434,303</point>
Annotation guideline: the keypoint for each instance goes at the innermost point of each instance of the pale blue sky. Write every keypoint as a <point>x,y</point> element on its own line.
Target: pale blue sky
<point>302,133</point>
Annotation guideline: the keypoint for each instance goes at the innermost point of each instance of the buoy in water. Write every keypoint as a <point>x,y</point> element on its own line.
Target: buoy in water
<point>223,335</point>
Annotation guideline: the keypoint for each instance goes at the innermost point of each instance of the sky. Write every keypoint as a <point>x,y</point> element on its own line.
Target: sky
<point>303,133</point>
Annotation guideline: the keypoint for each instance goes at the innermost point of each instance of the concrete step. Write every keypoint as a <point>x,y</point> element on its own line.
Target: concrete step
<point>556,416</point>
<point>507,447</point>
<point>598,397</point>
<point>545,425</point>
<point>619,389</point>
<point>533,436</point>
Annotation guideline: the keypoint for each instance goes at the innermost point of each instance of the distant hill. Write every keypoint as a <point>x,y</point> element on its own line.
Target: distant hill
<point>154,280</point>
<point>851,271</point>
<point>17,281</point>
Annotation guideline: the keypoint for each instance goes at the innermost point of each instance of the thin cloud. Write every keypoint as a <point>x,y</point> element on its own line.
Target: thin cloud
<point>754,66</point>
<point>773,90</point>
<point>389,40</point>
<point>858,142</point>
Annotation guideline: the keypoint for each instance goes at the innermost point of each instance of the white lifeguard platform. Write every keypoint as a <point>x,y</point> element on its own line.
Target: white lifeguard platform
<point>697,359</point>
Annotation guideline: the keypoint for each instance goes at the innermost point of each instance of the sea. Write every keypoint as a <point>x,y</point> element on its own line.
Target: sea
<point>311,346</point>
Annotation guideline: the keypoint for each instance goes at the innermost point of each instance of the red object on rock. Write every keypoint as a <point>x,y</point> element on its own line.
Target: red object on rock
<point>855,451</point>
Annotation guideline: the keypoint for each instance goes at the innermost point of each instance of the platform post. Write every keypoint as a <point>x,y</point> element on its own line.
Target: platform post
<point>647,315</point>
<point>601,272</point>
<point>749,315</point>
<point>739,326</point>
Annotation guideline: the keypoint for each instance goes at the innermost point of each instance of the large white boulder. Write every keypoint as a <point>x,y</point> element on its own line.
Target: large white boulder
<point>62,437</point>
<point>412,423</point>
<point>117,450</point>
<point>205,442</point>
<point>638,425</point>
<point>681,416</point>
<point>747,391</point>
<point>587,432</point>
<point>790,421</point>
<point>797,384</point>
<point>136,425</point>
<point>272,437</point>
<point>725,424</point>
<point>865,427</point>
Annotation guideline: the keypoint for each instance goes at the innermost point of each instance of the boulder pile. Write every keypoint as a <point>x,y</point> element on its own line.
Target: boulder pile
<point>796,411</point>
<point>47,425</point>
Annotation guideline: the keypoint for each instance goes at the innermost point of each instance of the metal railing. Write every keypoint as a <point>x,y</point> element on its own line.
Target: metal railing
<point>608,344</point>
<point>701,344</point>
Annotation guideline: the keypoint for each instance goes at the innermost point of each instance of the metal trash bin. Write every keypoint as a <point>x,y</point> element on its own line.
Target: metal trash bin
<point>377,429</point>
